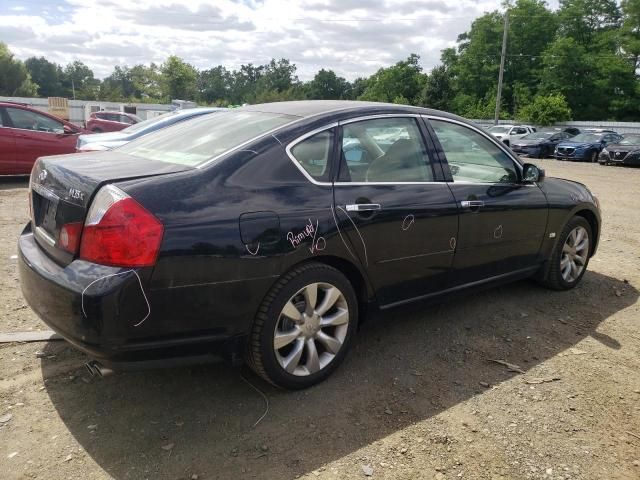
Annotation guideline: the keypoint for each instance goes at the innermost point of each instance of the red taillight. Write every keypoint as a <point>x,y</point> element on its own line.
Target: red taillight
<point>120,232</point>
<point>69,239</point>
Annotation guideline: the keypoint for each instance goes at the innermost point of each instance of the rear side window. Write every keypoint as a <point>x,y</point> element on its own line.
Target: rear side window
<point>472,157</point>
<point>313,154</point>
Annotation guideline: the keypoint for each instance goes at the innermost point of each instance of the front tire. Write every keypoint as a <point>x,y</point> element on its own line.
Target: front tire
<point>570,258</point>
<point>304,327</point>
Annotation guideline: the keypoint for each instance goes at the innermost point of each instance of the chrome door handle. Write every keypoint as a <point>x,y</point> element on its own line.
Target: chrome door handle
<point>472,204</point>
<point>363,207</point>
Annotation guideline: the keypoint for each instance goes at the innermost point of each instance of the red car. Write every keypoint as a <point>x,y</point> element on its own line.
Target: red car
<point>110,121</point>
<point>27,133</point>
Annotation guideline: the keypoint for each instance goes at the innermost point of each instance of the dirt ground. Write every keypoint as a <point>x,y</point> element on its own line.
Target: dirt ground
<point>417,398</point>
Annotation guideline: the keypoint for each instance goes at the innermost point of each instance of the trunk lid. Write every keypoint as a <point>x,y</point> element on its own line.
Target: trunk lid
<point>62,187</point>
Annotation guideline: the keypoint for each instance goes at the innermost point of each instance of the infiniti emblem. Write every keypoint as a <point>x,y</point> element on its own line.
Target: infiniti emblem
<point>43,176</point>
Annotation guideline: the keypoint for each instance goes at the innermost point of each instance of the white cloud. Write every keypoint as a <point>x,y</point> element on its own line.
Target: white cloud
<point>352,37</point>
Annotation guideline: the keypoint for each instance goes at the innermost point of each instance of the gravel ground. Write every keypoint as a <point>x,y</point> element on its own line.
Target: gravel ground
<point>418,398</point>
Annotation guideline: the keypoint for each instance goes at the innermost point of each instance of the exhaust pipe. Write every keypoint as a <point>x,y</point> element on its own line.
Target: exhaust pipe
<point>96,370</point>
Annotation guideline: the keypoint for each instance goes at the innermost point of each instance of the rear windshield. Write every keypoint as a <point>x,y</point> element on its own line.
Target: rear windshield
<point>193,143</point>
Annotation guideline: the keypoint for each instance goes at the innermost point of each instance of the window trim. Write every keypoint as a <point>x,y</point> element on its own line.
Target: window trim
<point>500,145</point>
<point>338,137</point>
<point>301,139</point>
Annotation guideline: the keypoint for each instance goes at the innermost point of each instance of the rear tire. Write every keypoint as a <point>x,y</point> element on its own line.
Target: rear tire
<point>304,327</point>
<point>570,258</point>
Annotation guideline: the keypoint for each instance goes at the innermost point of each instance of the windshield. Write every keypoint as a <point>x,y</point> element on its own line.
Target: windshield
<point>150,121</point>
<point>499,129</point>
<point>630,140</point>
<point>538,136</point>
<point>193,143</point>
<point>587,138</point>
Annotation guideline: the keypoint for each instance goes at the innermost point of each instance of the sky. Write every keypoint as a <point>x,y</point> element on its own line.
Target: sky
<point>352,37</point>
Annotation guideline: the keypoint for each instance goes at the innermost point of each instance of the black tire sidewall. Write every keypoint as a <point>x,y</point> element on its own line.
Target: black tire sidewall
<point>266,351</point>
<point>571,225</point>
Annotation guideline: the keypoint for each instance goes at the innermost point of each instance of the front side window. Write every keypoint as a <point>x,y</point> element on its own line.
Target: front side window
<point>473,157</point>
<point>28,120</point>
<point>314,153</point>
<point>384,150</point>
<point>196,141</point>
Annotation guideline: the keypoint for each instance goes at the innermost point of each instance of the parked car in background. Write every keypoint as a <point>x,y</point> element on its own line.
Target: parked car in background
<point>105,121</point>
<point>540,144</point>
<point>586,146</point>
<point>508,133</point>
<point>109,141</point>
<point>624,152</point>
<point>27,133</point>
<point>249,233</point>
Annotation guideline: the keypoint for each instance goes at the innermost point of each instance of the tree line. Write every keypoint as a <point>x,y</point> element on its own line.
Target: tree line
<point>581,61</point>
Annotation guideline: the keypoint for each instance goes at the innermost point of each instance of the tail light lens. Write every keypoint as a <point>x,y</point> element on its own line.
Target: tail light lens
<point>70,237</point>
<point>118,231</point>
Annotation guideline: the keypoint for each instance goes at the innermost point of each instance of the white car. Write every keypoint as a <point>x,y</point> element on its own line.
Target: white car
<point>508,133</point>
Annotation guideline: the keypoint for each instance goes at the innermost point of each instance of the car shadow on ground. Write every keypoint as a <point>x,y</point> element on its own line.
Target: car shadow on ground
<point>12,183</point>
<point>415,364</point>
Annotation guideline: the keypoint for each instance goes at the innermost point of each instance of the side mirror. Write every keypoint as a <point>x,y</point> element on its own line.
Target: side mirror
<point>68,130</point>
<point>531,173</point>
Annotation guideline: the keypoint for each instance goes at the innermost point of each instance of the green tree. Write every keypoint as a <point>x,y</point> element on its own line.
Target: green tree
<point>326,85</point>
<point>438,91</point>
<point>584,20</point>
<point>46,74</point>
<point>546,110</point>
<point>214,85</point>
<point>404,80</point>
<point>630,32</point>
<point>179,79</point>
<point>78,78</point>
<point>14,77</point>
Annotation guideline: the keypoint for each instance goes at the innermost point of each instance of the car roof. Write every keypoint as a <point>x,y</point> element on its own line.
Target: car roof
<point>311,108</point>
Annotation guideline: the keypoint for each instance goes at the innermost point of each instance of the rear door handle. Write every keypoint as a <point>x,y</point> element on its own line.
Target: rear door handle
<point>363,207</point>
<point>472,204</point>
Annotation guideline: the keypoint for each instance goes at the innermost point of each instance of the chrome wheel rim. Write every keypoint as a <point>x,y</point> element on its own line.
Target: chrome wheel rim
<point>574,254</point>
<point>311,329</point>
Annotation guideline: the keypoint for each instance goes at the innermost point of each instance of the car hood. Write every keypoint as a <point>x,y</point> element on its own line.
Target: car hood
<point>623,148</point>
<point>577,144</point>
<point>529,142</point>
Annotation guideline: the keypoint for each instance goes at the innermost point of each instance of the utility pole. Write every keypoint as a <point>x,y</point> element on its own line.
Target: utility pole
<point>73,88</point>
<point>502,58</point>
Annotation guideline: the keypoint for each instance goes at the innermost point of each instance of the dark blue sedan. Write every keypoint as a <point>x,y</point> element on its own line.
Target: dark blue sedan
<point>586,146</point>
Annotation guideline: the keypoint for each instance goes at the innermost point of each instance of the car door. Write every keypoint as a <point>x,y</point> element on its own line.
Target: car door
<point>8,150</point>
<point>37,135</point>
<point>393,207</point>
<point>502,219</point>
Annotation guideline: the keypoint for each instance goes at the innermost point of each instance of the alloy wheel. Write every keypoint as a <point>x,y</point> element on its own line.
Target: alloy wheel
<point>311,329</point>
<point>574,254</point>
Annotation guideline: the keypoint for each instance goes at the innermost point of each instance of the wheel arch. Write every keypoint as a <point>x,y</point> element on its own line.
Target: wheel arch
<point>361,286</point>
<point>592,219</point>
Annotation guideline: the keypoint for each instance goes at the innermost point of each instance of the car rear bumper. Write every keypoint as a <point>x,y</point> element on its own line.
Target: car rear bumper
<point>102,311</point>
